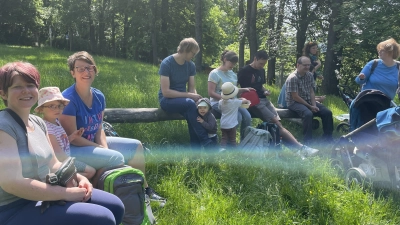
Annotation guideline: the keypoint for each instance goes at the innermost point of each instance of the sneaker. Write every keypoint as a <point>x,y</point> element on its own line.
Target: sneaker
<point>153,195</point>
<point>307,151</point>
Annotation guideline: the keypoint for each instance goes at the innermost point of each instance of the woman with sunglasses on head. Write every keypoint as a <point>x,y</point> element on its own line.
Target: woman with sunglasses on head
<point>26,157</point>
<point>385,75</point>
<point>86,109</point>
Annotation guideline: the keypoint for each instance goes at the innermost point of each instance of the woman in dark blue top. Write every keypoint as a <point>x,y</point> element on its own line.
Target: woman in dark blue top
<point>177,92</point>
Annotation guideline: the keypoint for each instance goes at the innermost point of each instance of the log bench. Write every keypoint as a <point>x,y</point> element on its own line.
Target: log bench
<point>148,115</point>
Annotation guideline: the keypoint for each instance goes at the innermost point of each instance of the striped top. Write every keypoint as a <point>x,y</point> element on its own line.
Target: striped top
<point>60,134</point>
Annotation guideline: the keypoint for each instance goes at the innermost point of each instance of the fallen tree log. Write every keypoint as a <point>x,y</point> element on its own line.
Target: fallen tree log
<point>148,115</point>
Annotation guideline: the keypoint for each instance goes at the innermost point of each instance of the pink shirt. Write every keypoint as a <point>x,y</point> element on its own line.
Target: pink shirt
<point>60,134</point>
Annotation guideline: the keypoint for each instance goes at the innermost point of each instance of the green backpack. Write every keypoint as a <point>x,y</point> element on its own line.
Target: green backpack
<point>128,184</point>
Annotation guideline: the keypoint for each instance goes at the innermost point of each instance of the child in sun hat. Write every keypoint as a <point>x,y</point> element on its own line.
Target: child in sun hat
<point>51,104</point>
<point>229,106</point>
<point>207,119</point>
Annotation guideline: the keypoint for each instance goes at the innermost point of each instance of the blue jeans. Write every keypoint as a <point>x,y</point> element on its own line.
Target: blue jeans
<point>120,150</point>
<point>103,209</point>
<point>244,118</point>
<point>188,109</point>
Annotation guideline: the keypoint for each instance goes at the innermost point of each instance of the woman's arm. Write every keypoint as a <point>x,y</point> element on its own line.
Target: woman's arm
<point>12,181</point>
<point>69,125</point>
<point>318,65</point>
<point>211,91</point>
<point>100,137</point>
<point>60,154</point>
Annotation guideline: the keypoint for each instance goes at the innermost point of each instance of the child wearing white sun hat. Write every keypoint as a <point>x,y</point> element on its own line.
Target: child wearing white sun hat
<point>229,106</point>
<point>51,104</point>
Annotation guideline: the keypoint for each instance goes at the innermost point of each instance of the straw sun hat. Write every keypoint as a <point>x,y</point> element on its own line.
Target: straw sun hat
<point>228,90</point>
<point>49,94</point>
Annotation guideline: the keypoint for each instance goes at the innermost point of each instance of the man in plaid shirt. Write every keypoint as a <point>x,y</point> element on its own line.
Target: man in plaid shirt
<point>300,98</point>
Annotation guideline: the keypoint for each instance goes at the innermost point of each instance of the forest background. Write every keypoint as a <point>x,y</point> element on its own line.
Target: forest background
<point>149,30</point>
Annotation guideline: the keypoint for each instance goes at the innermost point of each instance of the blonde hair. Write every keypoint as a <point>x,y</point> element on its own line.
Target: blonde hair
<point>188,45</point>
<point>390,46</point>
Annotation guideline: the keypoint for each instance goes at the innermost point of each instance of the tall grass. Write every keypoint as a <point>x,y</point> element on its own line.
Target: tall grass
<point>227,188</point>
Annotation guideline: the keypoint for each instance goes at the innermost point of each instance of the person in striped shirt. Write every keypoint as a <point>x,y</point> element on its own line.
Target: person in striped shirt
<point>50,104</point>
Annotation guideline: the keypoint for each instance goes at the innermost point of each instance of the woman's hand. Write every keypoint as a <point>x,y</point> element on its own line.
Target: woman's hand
<point>75,194</point>
<point>84,183</point>
<point>194,96</point>
<point>361,76</point>
<point>76,134</point>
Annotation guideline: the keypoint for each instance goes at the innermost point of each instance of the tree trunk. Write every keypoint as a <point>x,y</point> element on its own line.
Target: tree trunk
<point>124,48</point>
<point>333,56</point>
<point>271,43</point>
<point>153,22</point>
<point>251,16</point>
<point>113,28</point>
<point>274,39</point>
<point>199,33</point>
<point>164,28</point>
<point>302,28</point>
<point>71,38</point>
<point>102,27</point>
<point>92,38</point>
<point>242,32</point>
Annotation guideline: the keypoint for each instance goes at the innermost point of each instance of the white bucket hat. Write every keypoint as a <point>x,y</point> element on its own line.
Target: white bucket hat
<point>49,94</point>
<point>228,90</point>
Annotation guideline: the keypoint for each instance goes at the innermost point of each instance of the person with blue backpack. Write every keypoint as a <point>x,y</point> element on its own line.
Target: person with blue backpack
<point>378,74</point>
<point>382,74</point>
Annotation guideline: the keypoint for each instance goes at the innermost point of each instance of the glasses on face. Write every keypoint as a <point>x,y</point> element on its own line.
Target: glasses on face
<point>55,107</point>
<point>381,51</point>
<point>306,65</point>
<point>82,69</point>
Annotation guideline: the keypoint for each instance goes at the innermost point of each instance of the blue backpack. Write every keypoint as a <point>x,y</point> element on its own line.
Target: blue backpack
<point>282,98</point>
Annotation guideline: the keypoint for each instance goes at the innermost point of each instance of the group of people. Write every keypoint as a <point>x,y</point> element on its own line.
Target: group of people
<point>73,121</point>
<point>71,126</point>
<point>178,94</point>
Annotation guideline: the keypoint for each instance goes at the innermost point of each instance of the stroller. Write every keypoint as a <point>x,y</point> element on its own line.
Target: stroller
<point>347,95</point>
<point>365,155</point>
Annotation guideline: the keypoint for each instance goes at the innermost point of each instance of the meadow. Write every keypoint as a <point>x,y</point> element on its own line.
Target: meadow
<point>221,188</point>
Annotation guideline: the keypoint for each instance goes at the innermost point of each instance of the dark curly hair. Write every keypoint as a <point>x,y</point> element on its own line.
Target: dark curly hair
<point>307,47</point>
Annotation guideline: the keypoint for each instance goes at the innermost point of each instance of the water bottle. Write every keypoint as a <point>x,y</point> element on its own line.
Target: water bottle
<point>348,99</point>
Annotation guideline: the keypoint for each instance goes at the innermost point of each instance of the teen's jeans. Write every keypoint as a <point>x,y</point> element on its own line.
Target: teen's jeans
<point>120,150</point>
<point>188,109</point>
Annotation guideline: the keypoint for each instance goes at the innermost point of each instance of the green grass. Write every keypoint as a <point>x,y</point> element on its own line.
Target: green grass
<point>227,188</point>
